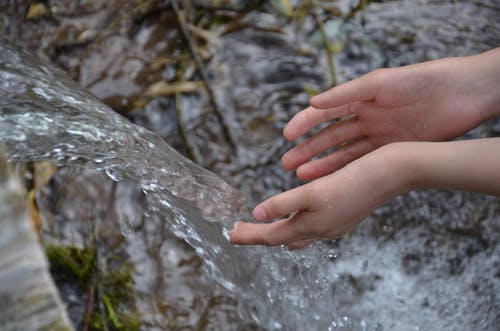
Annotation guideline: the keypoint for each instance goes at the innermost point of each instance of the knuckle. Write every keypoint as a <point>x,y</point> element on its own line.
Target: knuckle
<point>308,146</point>
<point>347,155</point>
<point>332,136</point>
<point>350,109</point>
<point>323,115</point>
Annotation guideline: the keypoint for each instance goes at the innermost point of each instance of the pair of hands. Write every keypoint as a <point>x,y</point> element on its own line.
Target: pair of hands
<point>382,116</point>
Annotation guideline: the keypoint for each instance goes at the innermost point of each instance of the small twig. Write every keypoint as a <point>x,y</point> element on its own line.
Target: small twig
<point>330,54</point>
<point>203,72</point>
<point>162,88</point>
<point>160,62</point>
<point>100,292</point>
<point>182,130</point>
<point>89,306</point>
<point>184,138</point>
<point>221,8</point>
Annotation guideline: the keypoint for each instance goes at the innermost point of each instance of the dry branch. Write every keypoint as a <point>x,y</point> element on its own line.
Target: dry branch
<point>202,71</point>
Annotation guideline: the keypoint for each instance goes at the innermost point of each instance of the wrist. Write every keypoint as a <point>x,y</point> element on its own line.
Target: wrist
<point>392,169</point>
<point>479,78</point>
<point>404,162</point>
<point>466,165</point>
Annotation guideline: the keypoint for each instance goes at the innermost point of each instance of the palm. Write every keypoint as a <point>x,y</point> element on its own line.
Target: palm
<point>414,103</point>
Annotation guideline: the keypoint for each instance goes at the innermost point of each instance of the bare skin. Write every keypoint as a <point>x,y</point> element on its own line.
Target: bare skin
<point>431,101</point>
<point>388,119</point>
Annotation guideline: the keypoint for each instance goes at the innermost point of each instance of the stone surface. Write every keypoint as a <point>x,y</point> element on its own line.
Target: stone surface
<point>28,298</point>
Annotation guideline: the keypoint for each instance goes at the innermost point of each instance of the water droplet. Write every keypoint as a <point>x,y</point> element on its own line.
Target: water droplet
<point>126,233</point>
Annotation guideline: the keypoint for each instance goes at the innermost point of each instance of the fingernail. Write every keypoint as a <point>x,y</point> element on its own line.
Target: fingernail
<point>230,232</point>
<point>259,213</point>
<point>235,226</point>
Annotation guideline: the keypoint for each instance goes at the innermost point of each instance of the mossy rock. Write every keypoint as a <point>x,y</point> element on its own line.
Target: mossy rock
<point>111,287</point>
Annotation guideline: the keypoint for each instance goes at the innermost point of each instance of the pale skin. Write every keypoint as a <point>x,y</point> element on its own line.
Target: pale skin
<point>392,138</point>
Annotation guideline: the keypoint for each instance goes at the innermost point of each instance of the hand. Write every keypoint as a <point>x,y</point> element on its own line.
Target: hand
<point>436,100</point>
<point>330,206</point>
<point>334,204</point>
<point>431,101</point>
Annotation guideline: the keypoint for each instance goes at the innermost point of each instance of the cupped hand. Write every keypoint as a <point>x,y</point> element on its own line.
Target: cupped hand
<point>328,207</point>
<point>432,101</point>
<point>422,102</point>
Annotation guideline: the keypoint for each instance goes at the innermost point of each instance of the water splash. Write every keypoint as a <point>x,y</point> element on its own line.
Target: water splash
<point>46,116</point>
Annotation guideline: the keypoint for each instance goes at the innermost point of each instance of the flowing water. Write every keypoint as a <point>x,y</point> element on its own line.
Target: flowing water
<point>46,116</point>
<point>428,260</point>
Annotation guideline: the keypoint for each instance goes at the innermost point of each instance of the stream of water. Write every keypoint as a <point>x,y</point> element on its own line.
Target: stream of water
<point>427,261</point>
<point>46,116</point>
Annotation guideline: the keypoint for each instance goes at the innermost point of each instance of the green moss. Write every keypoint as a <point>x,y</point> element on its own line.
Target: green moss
<point>72,264</point>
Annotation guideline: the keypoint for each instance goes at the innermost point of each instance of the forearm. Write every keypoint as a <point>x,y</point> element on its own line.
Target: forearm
<point>479,78</point>
<point>468,165</point>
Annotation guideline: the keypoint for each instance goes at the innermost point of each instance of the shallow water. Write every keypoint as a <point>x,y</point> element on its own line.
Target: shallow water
<point>427,260</point>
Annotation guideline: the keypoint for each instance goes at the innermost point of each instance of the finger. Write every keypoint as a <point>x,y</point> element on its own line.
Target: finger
<point>308,118</point>
<point>282,204</point>
<point>336,160</point>
<point>271,234</point>
<point>300,244</point>
<point>331,136</point>
<point>364,88</point>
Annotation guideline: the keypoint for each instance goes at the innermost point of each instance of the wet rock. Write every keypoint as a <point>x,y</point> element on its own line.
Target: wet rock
<point>29,298</point>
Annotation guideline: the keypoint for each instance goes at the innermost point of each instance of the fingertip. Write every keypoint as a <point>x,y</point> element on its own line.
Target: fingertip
<point>235,234</point>
<point>260,214</point>
<point>306,172</point>
<point>295,127</point>
<point>247,233</point>
<point>235,227</point>
<point>288,133</point>
<point>287,162</point>
<point>319,101</point>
